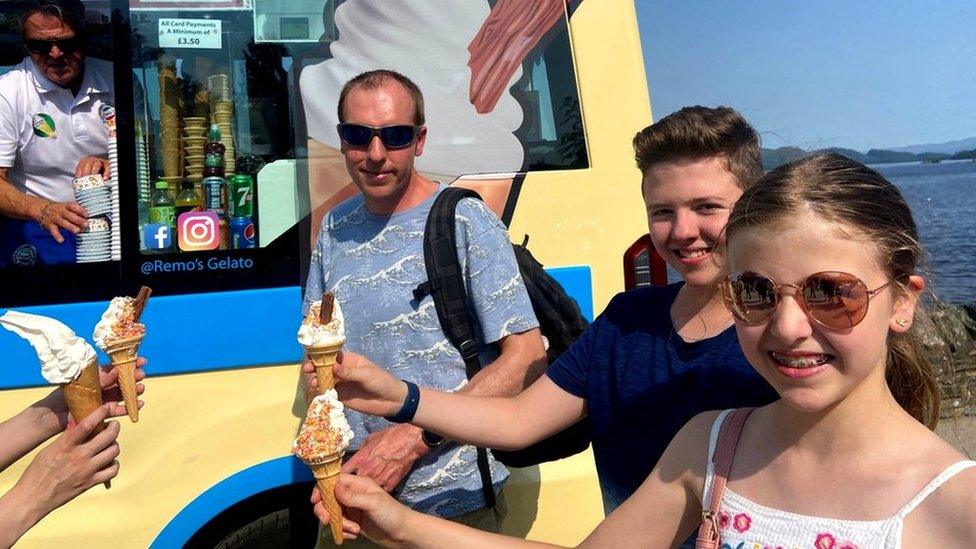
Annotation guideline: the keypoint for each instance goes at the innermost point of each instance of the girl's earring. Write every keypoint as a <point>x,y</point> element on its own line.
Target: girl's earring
<point>901,322</point>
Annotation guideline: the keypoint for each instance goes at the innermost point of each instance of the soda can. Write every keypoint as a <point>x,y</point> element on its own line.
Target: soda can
<point>213,194</point>
<point>242,233</point>
<point>224,234</point>
<point>240,196</point>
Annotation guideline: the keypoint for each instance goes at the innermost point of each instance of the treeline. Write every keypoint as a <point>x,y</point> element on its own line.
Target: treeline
<point>776,157</point>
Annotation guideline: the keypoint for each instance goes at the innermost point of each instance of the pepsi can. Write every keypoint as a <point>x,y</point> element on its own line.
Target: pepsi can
<point>242,233</point>
<point>213,194</point>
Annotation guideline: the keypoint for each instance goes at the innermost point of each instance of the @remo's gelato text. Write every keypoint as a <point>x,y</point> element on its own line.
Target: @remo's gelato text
<point>200,264</point>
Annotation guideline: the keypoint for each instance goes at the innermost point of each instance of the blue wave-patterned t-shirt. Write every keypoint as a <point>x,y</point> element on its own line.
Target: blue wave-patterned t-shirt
<point>372,264</point>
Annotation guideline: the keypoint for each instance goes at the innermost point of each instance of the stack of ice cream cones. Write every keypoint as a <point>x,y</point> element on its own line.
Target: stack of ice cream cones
<point>169,120</point>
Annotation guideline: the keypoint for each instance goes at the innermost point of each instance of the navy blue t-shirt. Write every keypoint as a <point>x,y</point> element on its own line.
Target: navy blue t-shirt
<point>642,383</point>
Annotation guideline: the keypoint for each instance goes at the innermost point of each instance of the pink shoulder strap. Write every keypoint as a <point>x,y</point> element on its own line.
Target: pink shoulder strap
<point>728,438</point>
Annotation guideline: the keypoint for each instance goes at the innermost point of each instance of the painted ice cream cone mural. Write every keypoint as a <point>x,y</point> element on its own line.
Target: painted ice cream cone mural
<point>464,55</point>
<point>322,334</point>
<point>66,360</point>
<point>321,443</point>
<point>119,333</point>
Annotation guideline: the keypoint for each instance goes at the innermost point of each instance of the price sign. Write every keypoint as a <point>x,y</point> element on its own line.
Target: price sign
<point>190,33</point>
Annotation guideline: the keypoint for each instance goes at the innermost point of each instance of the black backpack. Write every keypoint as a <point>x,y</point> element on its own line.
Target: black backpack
<point>560,321</point>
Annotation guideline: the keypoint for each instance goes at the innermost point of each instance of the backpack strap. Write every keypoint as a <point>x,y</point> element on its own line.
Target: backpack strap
<point>728,439</point>
<point>445,284</point>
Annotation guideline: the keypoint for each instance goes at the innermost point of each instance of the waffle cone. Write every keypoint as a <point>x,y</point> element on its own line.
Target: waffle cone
<point>123,354</point>
<point>324,358</point>
<point>326,476</point>
<point>84,394</point>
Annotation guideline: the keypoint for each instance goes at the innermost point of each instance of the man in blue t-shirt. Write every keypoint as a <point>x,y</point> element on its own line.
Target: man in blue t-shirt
<point>655,357</point>
<point>370,255</point>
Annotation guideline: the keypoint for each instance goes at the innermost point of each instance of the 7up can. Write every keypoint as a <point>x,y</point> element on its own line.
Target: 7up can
<point>240,196</point>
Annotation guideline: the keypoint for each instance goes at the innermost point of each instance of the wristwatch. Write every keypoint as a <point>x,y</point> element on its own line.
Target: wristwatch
<point>432,440</point>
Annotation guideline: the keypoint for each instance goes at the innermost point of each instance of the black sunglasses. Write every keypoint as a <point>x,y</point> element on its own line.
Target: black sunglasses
<point>393,137</point>
<point>43,47</point>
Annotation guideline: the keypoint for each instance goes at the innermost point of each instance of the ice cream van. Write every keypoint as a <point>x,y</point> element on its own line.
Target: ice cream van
<point>534,107</point>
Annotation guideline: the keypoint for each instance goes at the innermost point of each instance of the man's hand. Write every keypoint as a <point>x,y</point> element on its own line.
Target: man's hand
<point>91,165</point>
<point>367,509</point>
<point>365,387</point>
<point>64,215</point>
<point>387,456</point>
<point>73,463</point>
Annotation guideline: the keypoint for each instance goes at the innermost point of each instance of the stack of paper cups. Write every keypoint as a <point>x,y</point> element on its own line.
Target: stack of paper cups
<point>113,158</point>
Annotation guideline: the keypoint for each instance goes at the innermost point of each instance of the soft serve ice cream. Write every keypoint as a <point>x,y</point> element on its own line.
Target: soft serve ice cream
<point>325,432</point>
<point>321,442</point>
<point>118,323</point>
<point>314,333</point>
<point>62,353</point>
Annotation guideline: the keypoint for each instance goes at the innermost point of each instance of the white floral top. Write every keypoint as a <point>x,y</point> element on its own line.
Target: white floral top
<point>745,524</point>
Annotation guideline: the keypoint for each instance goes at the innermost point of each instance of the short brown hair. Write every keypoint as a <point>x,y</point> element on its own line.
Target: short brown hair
<point>699,132</point>
<point>373,79</point>
<point>844,191</point>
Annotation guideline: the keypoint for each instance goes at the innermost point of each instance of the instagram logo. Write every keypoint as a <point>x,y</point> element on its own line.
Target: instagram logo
<point>198,231</point>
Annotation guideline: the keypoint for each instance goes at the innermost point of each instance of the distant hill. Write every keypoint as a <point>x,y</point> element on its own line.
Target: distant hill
<point>949,147</point>
<point>776,157</point>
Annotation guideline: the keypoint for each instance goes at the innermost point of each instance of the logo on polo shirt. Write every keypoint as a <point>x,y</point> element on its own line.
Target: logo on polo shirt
<point>25,256</point>
<point>43,125</point>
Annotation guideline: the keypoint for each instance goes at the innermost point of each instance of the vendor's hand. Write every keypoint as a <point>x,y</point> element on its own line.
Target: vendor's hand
<point>53,216</point>
<point>387,456</point>
<point>367,509</point>
<point>365,387</point>
<point>111,394</point>
<point>91,165</point>
<point>73,463</point>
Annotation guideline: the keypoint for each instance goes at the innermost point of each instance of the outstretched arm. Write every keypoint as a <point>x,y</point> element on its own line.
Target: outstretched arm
<point>500,422</point>
<point>49,416</point>
<point>663,511</point>
<point>71,464</point>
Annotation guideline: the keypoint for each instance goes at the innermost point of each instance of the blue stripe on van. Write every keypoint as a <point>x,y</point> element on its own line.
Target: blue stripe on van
<point>213,331</point>
<point>227,493</point>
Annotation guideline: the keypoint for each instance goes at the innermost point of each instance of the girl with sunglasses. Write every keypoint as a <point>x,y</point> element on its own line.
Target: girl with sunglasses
<point>824,291</point>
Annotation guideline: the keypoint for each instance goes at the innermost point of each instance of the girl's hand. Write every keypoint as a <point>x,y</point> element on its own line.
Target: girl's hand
<point>367,510</point>
<point>365,387</point>
<point>73,463</point>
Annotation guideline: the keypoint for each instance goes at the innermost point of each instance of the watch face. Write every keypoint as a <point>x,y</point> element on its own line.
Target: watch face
<point>431,439</point>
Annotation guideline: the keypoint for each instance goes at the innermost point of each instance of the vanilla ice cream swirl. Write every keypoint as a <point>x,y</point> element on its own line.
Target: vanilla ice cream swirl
<point>62,353</point>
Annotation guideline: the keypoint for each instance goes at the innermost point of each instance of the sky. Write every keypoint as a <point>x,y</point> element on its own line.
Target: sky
<point>858,74</point>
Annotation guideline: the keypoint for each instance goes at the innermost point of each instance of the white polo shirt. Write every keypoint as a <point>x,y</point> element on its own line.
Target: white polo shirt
<point>45,130</point>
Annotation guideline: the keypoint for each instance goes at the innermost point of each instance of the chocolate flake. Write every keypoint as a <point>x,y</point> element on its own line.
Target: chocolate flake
<point>140,302</point>
<point>328,305</point>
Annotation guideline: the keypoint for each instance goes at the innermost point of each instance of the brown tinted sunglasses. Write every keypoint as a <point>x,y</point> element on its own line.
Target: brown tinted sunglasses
<point>833,299</point>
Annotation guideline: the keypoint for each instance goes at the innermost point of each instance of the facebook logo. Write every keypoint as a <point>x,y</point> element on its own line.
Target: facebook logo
<point>158,236</point>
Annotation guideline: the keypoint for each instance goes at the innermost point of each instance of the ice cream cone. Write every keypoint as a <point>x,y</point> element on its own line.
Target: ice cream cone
<point>84,394</point>
<point>324,358</point>
<point>123,355</point>
<point>326,476</point>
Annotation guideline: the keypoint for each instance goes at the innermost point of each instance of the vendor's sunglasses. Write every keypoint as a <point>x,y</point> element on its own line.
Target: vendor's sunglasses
<point>393,137</point>
<point>832,299</point>
<point>43,47</point>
